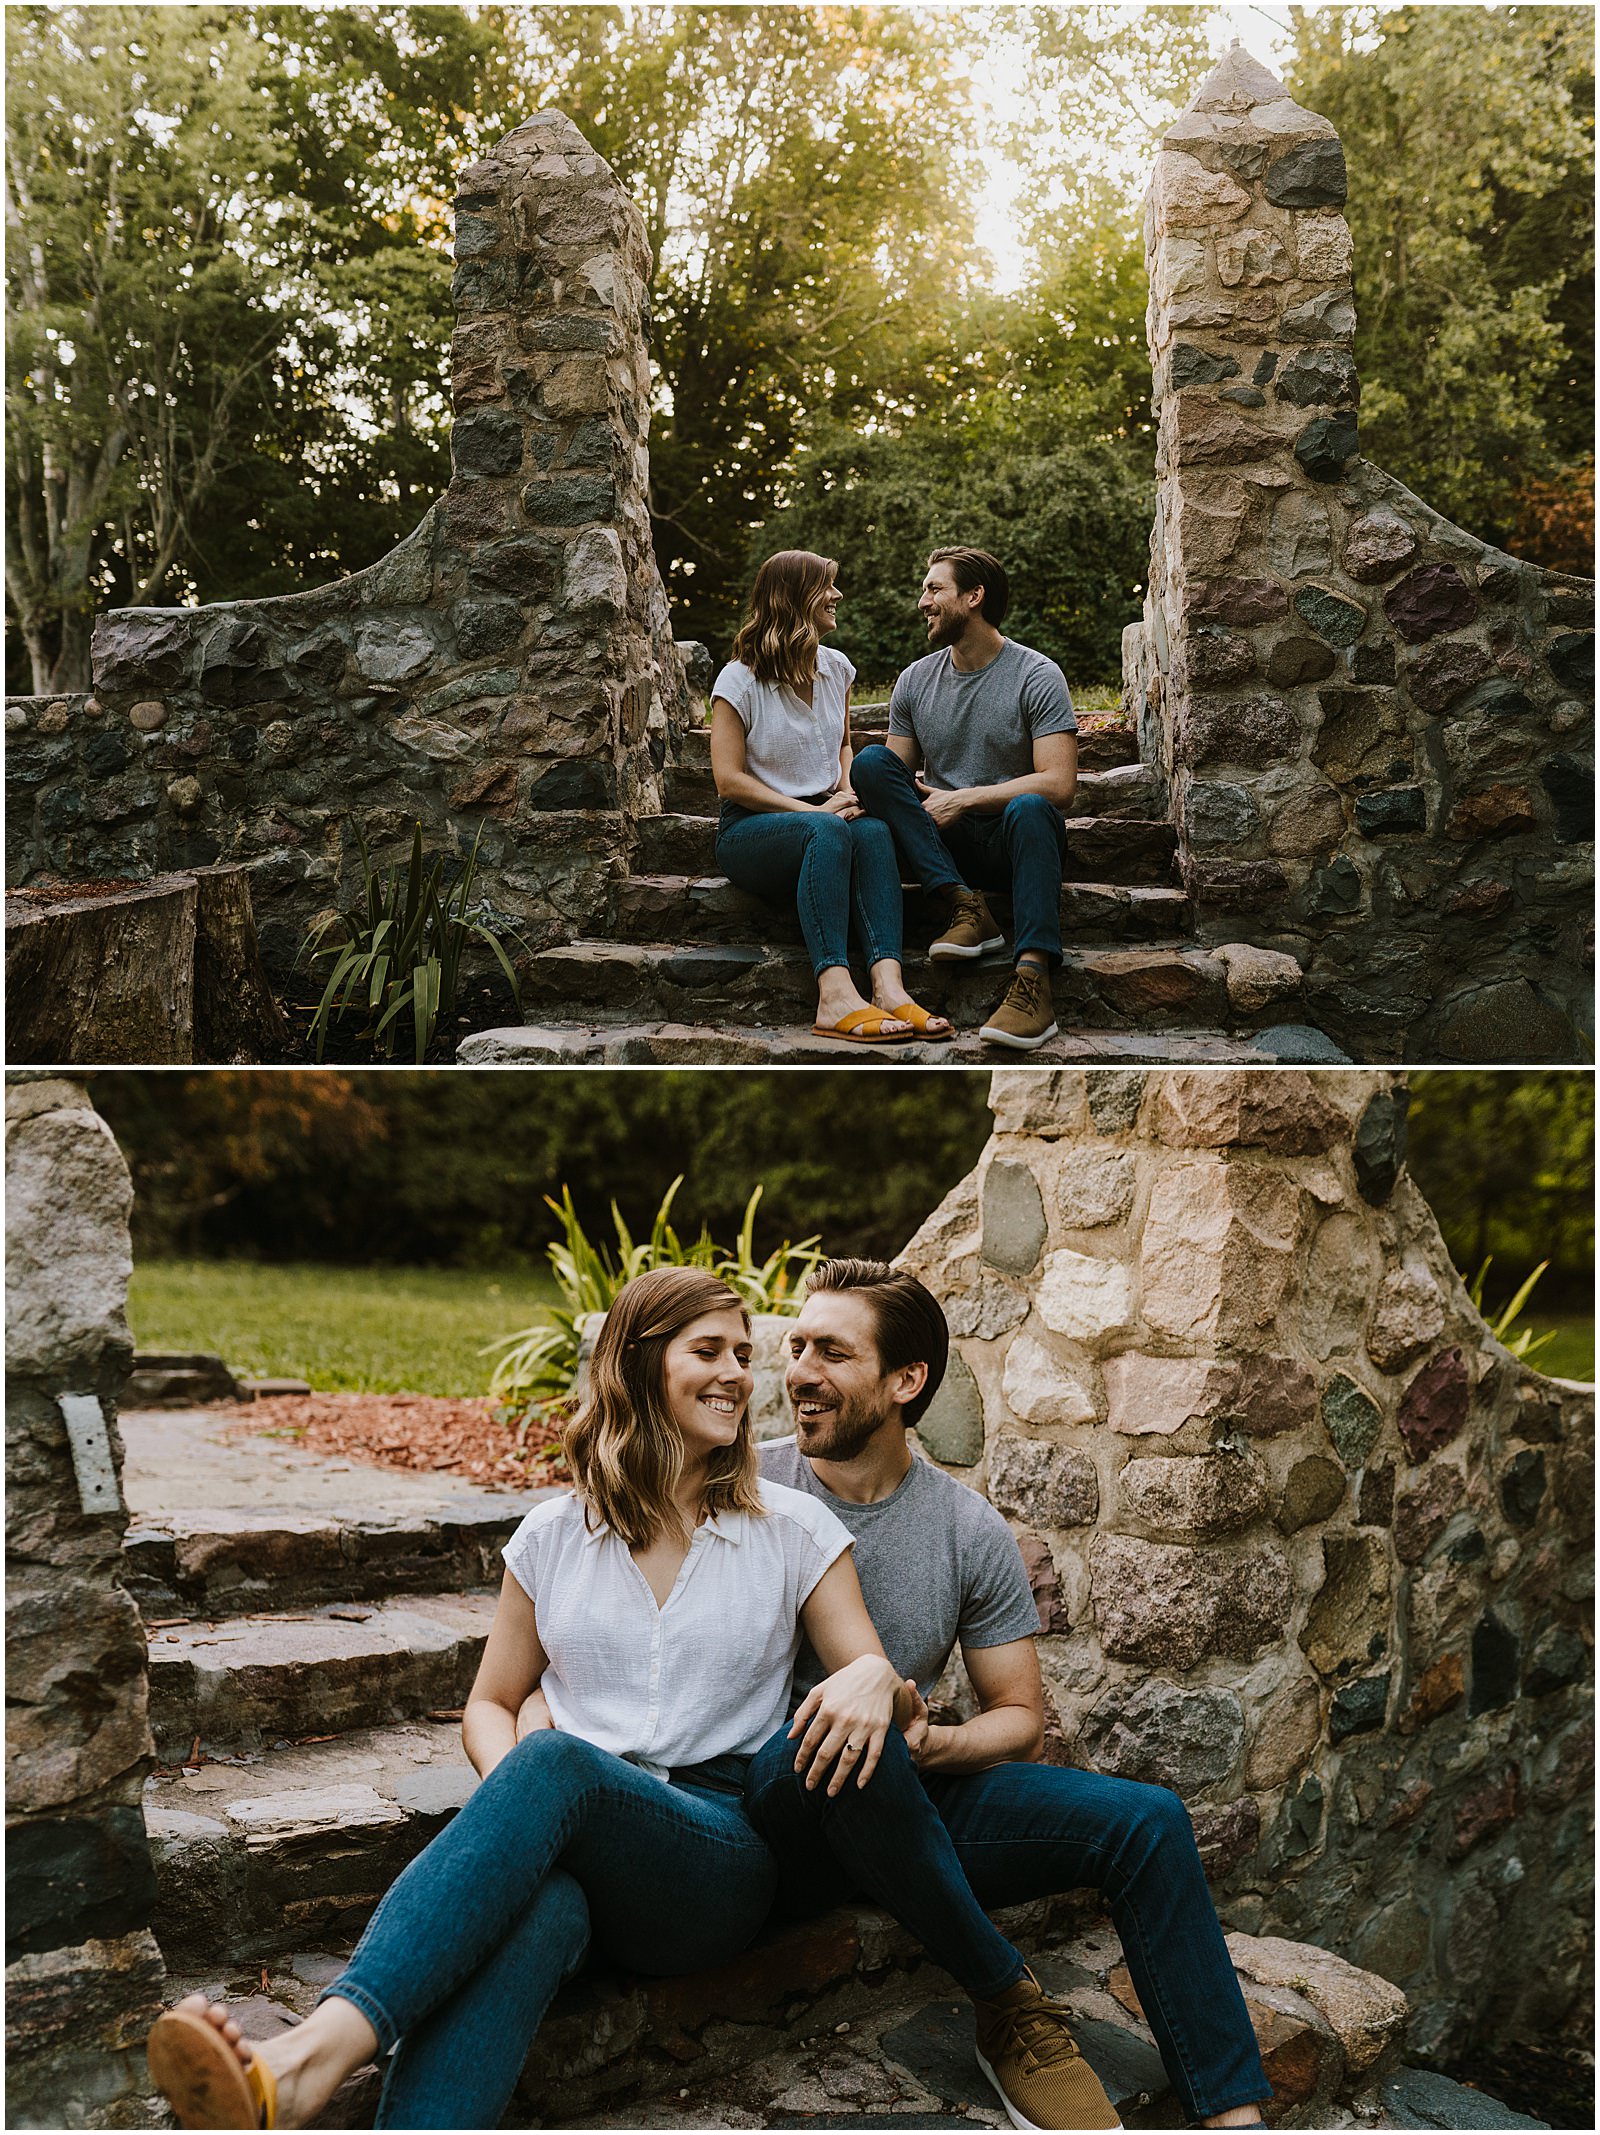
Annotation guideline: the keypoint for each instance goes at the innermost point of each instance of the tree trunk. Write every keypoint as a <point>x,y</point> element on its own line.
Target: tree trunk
<point>236,1019</point>
<point>102,981</point>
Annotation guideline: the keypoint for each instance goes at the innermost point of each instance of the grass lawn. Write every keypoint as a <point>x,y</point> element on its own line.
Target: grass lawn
<point>1571,1354</point>
<point>346,1330</point>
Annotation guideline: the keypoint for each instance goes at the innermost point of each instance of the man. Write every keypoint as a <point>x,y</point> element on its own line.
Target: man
<point>979,772</point>
<point>954,1819</point>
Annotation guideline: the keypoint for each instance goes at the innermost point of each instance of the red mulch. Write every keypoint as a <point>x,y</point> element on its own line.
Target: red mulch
<point>418,1432</point>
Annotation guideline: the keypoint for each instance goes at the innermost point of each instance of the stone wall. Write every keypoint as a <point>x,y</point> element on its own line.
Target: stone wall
<point>1308,1545</point>
<point>507,670</point>
<point>1376,731</point>
<point>83,1975</point>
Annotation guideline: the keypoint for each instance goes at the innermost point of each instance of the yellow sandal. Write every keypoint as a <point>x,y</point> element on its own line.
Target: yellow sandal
<point>200,2074</point>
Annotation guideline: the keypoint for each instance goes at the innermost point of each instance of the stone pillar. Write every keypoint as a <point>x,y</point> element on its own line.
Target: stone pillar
<point>1309,1546</point>
<point>508,671</point>
<point>83,1974</point>
<point>1376,729</point>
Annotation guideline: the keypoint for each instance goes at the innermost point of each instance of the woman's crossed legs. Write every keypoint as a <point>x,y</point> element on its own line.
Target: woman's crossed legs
<point>461,1959</point>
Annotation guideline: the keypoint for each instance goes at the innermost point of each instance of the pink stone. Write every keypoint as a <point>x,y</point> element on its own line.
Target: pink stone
<point>1434,1406</point>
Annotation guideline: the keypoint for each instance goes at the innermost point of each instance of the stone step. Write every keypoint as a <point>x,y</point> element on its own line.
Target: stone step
<point>624,1043</point>
<point>240,1681</point>
<point>1125,790</point>
<point>1100,748</point>
<point>220,1563</point>
<point>1099,848</point>
<point>838,2022</point>
<point>735,983</point>
<point>709,908</point>
<point>259,1853</point>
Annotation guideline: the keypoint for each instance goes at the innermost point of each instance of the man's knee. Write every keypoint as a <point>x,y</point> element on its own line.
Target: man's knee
<point>1031,815</point>
<point>875,770</point>
<point>1159,1816</point>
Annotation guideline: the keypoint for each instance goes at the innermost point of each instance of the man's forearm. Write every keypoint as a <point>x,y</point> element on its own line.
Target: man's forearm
<point>1010,1734</point>
<point>990,800</point>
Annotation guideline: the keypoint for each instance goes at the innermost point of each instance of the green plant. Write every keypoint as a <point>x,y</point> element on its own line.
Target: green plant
<point>1524,1343</point>
<point>538,1368</point>
<point>402,948</point>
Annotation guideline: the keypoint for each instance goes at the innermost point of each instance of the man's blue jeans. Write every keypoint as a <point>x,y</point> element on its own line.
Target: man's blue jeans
<point>1021,850</point>
<point>936,1851</point>
<point>833,870</point>
<point>561,1846</point>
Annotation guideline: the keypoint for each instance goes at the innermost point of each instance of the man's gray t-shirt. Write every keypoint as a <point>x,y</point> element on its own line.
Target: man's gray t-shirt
<point>979,729</point>
<point>937,1564</point>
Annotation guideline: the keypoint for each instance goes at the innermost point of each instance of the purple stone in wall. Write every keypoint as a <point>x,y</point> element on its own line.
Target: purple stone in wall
<point>1428,601</point>
<point>1434,1406</point>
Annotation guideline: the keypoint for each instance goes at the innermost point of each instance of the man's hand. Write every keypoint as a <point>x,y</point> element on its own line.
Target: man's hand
<point>842,803</point>
<point>943,807</point>
<point>533,1714</point>
<point>844,1723</point>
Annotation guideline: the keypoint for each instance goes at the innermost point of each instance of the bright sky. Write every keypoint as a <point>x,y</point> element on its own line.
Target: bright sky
<point>1263,31</point>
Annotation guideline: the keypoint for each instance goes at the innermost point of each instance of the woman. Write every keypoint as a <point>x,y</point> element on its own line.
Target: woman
<point>660,1606</point>
<point>790,826</point>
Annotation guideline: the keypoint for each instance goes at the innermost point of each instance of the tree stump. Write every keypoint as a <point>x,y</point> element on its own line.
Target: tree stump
<point>236,1018</point>
<point>154,973</point>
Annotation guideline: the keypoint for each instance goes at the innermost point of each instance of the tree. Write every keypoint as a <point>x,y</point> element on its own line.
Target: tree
<point>229,275</point>
<point>805,174</point>
<point>1469,137</point>
<point>139,337</point>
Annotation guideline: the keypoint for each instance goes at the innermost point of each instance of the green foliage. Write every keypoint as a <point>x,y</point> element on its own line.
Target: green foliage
<point>1522,1342</point>
<point>805,175</point>
<point>421,1167</point>
<point>1069,517</point>
<point>1505,1159</point>
<point>535,1375</point>
<point>1469,137</point>
<point>401,949</point>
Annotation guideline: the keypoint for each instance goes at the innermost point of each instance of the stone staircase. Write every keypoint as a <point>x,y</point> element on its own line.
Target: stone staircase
<point>314,1627</point>
<point>691,969</point>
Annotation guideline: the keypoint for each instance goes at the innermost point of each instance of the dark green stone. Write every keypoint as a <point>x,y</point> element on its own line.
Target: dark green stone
<point>952,1429</point>
<point>1330,615</point>
<point>1351,1418</point>
<point>1358,1707</point>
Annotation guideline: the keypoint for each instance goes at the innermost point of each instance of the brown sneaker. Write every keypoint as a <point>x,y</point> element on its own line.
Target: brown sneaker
<point>1033,2061</point>
<point>969,930</point>
<point>1026,1017</point>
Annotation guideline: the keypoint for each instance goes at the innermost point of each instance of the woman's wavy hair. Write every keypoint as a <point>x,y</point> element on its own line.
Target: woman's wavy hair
<point>623,1447</point>
<point>779,637</point>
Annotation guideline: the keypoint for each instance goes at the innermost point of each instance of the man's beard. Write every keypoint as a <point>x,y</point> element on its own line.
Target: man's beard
<point>840,1433</point>
<point>947,630</point>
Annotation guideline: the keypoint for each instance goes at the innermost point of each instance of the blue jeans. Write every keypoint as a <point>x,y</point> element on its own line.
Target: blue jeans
<point>1021,850</point>
<point>563,1844</point>
<point>936,1851</point>
<point>831,868</point>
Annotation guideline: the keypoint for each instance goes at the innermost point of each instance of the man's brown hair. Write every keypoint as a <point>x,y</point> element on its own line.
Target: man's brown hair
<point>907,1322</point>
<point>972,568</point>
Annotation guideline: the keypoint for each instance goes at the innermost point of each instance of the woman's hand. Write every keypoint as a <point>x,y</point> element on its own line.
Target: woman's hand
<point>844,1722</point>
<point>842,803</point>
<point>534,1715</point>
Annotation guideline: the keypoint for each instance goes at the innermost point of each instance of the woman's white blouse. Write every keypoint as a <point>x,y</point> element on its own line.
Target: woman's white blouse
<point>790,745</point>
<point>707,1675</point>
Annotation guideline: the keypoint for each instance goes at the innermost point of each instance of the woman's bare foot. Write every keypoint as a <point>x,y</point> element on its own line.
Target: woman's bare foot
<point>838,998</point>
<point>889,993</point>
<point>309,2061</point>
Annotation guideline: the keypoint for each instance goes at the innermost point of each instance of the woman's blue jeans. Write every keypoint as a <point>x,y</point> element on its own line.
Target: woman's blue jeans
<point>562,1846</point>
<point>936,1851</point>
<point>834,871</point>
